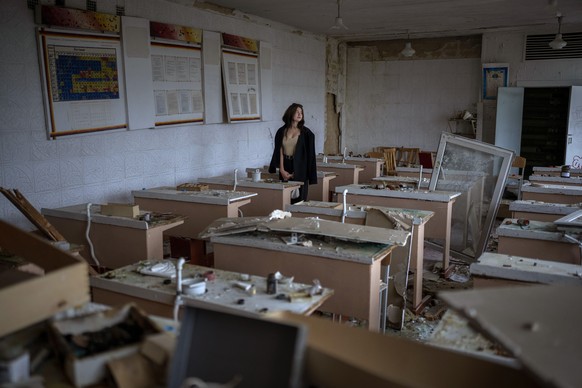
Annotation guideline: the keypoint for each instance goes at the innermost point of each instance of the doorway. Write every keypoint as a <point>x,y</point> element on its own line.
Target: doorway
<point>544,127</point>
<point>542,124</point>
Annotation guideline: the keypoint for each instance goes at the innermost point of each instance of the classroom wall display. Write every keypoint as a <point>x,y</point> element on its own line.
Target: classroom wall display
<point>240,68</point>
<point>177,78</point>
<point>176,63</point>
<point>495,75</point>
<point>77,19</point>
<point>83,82</point>
<point>104,72</point>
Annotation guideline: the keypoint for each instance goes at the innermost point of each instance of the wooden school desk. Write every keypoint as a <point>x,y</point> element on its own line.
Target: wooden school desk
<point>372,166</point>
<point>552,193</point>
<point>117,241</point>
<point>346,174</point>
<point>271,195</point>
<point>356,214</point>
<point>555,171</point>
<point>200,207</point>
<point>555,180</point>
<point>125,285</point>
<point>402,181</point>
<point>318,192</point>
<point>541,211</point>
<point>497,269</point>
<point>439,202</point>
<point>538,240</point>
<point>351,269</point>
<point>414,172</point>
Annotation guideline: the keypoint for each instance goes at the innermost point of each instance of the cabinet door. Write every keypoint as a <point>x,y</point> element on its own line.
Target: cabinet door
<point>509,117</point>
<point>574,138</point>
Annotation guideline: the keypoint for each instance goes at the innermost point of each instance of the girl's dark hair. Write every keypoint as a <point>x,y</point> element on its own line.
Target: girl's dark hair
<point>288,115</point>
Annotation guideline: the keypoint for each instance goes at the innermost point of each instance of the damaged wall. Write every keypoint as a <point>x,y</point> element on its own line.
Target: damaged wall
<point>396,101</point>
<point>392,100</point>
<point>434,48</point>
<point>335,95</point>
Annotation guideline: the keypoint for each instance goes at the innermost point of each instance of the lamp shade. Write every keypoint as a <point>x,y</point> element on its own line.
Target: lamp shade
<point>558,43</point>
<point>408,51</point>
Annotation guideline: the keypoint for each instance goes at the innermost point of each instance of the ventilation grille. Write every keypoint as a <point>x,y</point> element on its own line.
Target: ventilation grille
<point>537,47</point>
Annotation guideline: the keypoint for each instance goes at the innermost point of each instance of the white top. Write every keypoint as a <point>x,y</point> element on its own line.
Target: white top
<point>552,189</point>
<point>532,206</point>
<point>248,182</point>
<point>436,196</point>
<point>213,197</point>
<point>79,212</point>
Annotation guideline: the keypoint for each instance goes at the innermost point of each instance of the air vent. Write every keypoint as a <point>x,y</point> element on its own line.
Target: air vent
<point>537,47</point>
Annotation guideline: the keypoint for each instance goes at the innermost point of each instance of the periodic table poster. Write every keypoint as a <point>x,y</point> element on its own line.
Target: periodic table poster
<point>83,83</point>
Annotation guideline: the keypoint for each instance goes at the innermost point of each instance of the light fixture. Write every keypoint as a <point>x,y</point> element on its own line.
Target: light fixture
<point>468,115</point>
<point>339,22</point>
<point>408,51</point>
<point>558,43</point>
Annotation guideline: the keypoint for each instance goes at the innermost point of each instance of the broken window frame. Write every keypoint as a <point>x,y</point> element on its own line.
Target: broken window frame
<point>502,159</point>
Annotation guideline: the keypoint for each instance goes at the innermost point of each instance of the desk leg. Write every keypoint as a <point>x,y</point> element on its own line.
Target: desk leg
<point>417,260</point>
<point>447,247</point>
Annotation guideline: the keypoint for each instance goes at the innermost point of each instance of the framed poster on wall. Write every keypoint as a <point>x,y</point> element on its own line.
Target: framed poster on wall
<point>83,83</point>
<point>177,74</point>
<point>495,75</point>
<point>241,84</point>
<point>177,77</point>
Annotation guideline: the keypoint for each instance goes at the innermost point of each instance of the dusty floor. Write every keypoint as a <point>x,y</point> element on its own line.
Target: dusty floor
<point>438,325</point>
<point>421,327</point>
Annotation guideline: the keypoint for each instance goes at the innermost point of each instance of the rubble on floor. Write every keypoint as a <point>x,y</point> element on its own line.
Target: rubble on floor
<point>455,332</point>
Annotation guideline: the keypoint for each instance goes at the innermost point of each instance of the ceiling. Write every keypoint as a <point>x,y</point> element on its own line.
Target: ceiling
<point>394,19</point>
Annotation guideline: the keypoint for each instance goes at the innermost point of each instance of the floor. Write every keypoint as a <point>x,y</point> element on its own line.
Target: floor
<point>436,324</point>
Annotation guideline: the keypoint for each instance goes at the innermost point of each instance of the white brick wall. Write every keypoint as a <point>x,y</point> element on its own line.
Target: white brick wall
<point>107,166</point>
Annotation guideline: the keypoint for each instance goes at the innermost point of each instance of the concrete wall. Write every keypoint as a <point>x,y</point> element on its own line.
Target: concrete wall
<point>397,101</point>
<point>105,167</point>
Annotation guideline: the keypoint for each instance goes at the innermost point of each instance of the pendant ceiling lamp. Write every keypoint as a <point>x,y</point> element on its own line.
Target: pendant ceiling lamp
<point>408,51</point>
<point>339,22</point>
<point>558,43</point>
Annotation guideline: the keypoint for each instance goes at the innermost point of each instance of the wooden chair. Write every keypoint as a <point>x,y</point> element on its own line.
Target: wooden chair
<point>407,157</point>
<point>519,163</point>
<point>375,154</point>
<point>381,148</point>
<point>390,161</point>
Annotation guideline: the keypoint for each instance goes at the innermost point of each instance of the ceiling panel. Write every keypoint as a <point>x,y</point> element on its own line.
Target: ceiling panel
<point>394,19</point>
